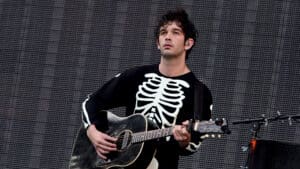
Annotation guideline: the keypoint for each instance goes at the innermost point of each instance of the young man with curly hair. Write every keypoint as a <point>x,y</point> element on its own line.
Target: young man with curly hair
<point>164,93</point>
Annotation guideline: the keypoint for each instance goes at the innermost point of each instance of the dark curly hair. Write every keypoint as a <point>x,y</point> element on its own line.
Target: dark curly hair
<point>182,19</point>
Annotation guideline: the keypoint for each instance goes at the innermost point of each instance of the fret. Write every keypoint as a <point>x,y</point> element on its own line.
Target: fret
<point>153,134</point>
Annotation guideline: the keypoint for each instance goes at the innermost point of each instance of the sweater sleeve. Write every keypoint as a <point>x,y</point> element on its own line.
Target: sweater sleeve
<point>110,95</point>
<point>204,107</point>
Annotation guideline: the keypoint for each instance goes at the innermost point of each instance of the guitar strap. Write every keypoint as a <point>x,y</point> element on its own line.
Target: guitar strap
<point>198,101</point>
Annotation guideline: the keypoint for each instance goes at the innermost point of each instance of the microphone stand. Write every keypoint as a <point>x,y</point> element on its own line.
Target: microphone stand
<point>257,122</point>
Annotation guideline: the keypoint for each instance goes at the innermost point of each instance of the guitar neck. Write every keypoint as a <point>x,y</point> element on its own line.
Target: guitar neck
<point>208,127</point>
<point>152,134</point>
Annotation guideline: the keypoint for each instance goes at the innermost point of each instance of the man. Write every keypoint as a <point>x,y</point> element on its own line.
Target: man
<point>163,93</point>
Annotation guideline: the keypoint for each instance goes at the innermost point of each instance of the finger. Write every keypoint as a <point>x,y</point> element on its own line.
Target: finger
<point>185,123</point>
<point>107,141</point>
<point>103,151</point>
<point>105,148</point>
<point>184,133</point>
<point>176,130</point>
<point>183,129</point>
<point>179,133</point>
<point>108,144</point>
<point>109,138</point>
<point>101,155</point>
<point>183,136</point>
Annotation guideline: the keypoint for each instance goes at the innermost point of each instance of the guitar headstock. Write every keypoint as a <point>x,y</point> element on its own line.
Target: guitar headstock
<point>211,127</point>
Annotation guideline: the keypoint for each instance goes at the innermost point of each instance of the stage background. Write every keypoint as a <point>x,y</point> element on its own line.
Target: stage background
<point>54,53</point>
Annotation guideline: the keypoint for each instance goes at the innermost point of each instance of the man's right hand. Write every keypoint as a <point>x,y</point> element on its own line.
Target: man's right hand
<point>102,142</point>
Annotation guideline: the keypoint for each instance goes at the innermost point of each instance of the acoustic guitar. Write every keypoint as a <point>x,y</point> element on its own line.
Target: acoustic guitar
<point>136,142</point>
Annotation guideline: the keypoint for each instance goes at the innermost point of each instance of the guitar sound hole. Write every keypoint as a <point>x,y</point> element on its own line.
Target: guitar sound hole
<point>124,140</point>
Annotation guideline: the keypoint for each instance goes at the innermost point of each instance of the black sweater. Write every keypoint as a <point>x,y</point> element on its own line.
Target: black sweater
<point>164,100</point>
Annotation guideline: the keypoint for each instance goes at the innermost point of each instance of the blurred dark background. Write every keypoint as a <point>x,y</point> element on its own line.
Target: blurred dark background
<point>55,52</point>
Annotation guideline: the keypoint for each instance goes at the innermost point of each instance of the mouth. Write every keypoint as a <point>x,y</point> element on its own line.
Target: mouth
<point>167,46</point>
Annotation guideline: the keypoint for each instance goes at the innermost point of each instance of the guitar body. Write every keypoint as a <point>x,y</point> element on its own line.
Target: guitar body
<point>136,142</point>
<point>129,155</point>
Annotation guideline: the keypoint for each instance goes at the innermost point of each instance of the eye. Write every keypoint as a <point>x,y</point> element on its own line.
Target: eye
<point>176,32</point>
<point>162,32</point>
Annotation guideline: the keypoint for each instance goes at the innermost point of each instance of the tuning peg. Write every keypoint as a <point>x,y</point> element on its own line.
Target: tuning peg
<point>219,121</point>
<point>205,136</point>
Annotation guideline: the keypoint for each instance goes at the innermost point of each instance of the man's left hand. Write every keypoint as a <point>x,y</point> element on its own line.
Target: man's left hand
<point>181,134</point>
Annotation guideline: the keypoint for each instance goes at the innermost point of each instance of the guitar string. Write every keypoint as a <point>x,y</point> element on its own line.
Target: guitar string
<point>152,134</point>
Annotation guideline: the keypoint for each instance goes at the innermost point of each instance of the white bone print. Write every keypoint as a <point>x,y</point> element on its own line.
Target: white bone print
<point>160,99</point>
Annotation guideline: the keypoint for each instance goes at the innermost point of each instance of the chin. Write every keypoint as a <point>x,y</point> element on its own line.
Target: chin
<point>168,55</point>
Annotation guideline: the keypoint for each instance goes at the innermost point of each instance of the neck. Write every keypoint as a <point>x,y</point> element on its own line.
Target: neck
<point>173,67</point>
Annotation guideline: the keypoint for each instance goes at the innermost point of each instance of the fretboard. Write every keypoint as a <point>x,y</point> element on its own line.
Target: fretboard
<point>152,134</point>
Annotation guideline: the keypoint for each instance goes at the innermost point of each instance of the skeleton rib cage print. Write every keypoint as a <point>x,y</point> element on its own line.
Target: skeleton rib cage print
<point>160,99</point>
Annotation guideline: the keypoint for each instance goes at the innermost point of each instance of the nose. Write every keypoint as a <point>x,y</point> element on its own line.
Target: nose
<point>168,36</point>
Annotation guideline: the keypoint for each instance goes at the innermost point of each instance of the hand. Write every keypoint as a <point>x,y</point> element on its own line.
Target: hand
<point>102,142</point>
<point>181,134</point>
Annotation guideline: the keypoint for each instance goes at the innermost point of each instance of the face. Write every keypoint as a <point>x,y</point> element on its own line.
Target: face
<point>171,41</point>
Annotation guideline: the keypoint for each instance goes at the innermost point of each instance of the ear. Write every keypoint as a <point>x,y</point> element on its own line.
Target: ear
<point>189,43</point>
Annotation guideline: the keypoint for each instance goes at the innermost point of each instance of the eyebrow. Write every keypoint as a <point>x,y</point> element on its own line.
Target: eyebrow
<point>177,29</point>
<point>173,29</point>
